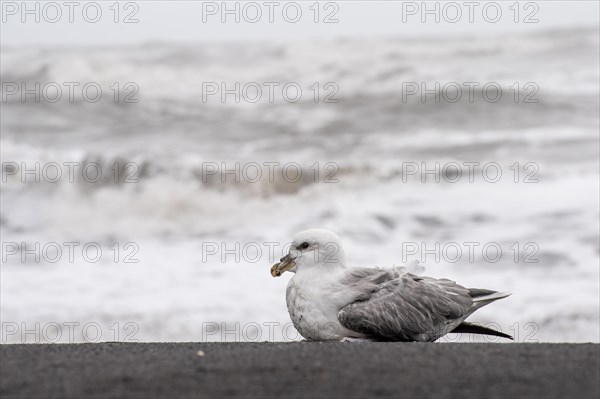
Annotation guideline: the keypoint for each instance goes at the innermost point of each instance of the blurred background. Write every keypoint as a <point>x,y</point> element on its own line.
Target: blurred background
<point>186,246</point>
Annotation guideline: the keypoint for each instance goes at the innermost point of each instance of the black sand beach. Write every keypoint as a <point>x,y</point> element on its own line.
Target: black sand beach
<point>280,370</point>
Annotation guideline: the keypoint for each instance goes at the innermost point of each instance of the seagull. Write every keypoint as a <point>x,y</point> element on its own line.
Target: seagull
<point>327,300</point>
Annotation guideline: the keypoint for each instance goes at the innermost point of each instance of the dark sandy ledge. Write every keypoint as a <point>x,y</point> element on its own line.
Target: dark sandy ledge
<point>280,370</point>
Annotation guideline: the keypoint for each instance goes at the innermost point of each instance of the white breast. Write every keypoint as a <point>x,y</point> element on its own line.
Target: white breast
<point>313,302</point>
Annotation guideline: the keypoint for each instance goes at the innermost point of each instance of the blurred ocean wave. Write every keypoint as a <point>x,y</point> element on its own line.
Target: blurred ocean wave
<point>368,137</point>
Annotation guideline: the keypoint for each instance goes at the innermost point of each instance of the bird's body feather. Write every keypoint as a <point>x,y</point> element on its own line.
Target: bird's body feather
<point>405,307</point>
<point>314,316</point>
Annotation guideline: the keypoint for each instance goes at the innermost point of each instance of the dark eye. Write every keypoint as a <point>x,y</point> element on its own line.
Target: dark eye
<point>304,245</point>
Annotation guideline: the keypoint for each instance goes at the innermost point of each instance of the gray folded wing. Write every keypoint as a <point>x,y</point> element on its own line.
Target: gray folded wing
<point>398,306</point>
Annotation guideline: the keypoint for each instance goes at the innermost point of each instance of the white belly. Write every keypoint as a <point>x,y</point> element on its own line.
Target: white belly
<point>313,305</point>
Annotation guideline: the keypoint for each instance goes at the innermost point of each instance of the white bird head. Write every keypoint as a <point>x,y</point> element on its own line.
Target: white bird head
<point>312,248</point>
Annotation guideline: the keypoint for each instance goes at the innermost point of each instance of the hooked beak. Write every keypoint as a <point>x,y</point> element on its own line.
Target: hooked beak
<point>285,264</point>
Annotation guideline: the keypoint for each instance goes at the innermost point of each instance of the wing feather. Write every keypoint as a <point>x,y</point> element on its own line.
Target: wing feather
<point>399,306</point>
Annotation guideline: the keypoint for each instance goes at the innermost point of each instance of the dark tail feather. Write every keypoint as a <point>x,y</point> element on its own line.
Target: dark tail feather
<point>477,292</point>
<point>476,329</point>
